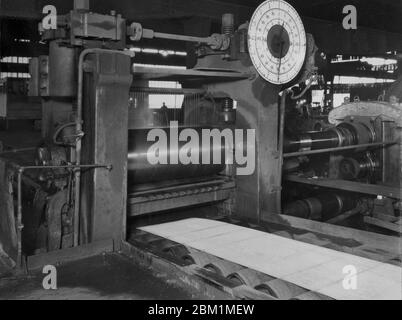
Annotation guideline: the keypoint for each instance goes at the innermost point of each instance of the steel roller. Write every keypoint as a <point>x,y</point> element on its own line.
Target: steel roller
<point>140,171</point>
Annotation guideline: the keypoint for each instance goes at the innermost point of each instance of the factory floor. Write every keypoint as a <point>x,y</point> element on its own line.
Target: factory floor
<point>108,277</point>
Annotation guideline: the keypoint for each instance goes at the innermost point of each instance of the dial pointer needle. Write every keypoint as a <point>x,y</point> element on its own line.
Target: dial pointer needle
<point>281,52</point>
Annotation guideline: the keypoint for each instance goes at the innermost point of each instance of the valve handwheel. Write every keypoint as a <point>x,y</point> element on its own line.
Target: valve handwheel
<point>277,41</point>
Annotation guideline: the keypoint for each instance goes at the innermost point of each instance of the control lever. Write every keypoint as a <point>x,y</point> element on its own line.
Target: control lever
<point>215,41</point>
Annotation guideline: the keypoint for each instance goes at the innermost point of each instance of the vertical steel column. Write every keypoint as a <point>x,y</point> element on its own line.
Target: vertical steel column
<point>258,195</point>
<point>19,226</point>
<point>60,87</point>
<point>105,123</point>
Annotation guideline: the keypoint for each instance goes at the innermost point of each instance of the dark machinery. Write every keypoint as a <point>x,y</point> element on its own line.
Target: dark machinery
<point>90,176</point>
<point>140,171</point>
<point>324,207</point>
<point>344,135</point>
<point>359,155</point>
<point>362,166</point>
<point>91,179</point>
<point>15,103</point>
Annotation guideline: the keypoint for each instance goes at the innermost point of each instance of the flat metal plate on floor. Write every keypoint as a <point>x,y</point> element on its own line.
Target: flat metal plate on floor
<point>315,268</point>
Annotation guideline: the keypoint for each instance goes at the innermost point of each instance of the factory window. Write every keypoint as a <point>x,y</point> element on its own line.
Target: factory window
<point>340,99</point>
<point>15,60</point>
<point>318,97</point>
<point>157,101</point>
<point>19,60</point>
<point>16,75</point>
<point>359,80</point>
<point>23,40</point>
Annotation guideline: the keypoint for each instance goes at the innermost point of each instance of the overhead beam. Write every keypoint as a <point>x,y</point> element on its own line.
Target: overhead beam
<point>132,10</point>
<point>330,36</point>
<point>14,67</point>
<point>18,49</point>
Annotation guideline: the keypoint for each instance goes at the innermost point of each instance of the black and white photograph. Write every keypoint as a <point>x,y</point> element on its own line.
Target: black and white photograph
<point>200,158</point>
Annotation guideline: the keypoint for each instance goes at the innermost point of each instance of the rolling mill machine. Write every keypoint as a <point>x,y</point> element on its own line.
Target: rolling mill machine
<point>90,180</point>
<point>91,171</point>
<point>353,165</point>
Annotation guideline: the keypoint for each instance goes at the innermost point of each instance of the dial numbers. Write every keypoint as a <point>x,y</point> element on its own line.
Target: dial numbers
<point>277,41</point>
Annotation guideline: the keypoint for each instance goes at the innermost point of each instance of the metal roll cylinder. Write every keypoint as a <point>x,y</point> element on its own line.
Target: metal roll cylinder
<point>345,134</point>
<point>312,141</point>
<point>201,259</point>
<point>320,208</point>
<point>249,278</point>
<point>228,24</point>
<point>363,167</point>
<point>141,171</point>
<point>312,296</point>
<point>228,114</point>
<point>223,268</point>
<point>281,289</point>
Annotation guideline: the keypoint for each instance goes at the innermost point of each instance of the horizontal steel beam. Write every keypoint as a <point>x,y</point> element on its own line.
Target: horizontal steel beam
<point>139,10</point>
<point>375,190</point>
<point>330,36</point>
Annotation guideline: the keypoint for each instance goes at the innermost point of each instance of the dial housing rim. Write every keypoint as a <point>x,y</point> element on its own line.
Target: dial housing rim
<point>277,14</point>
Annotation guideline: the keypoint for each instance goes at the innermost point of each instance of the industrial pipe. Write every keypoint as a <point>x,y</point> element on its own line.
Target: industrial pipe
<point>281,143</point>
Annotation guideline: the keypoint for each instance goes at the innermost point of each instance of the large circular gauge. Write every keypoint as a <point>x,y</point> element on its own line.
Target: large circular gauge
<point>277,41</point>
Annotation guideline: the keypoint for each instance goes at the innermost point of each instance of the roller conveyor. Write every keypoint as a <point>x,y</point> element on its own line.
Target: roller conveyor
<point>307,266</point>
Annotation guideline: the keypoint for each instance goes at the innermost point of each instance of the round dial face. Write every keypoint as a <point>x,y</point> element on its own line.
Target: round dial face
<point>277,41</point>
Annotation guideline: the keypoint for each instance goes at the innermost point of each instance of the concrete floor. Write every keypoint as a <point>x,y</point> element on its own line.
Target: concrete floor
<point>108,277</point>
